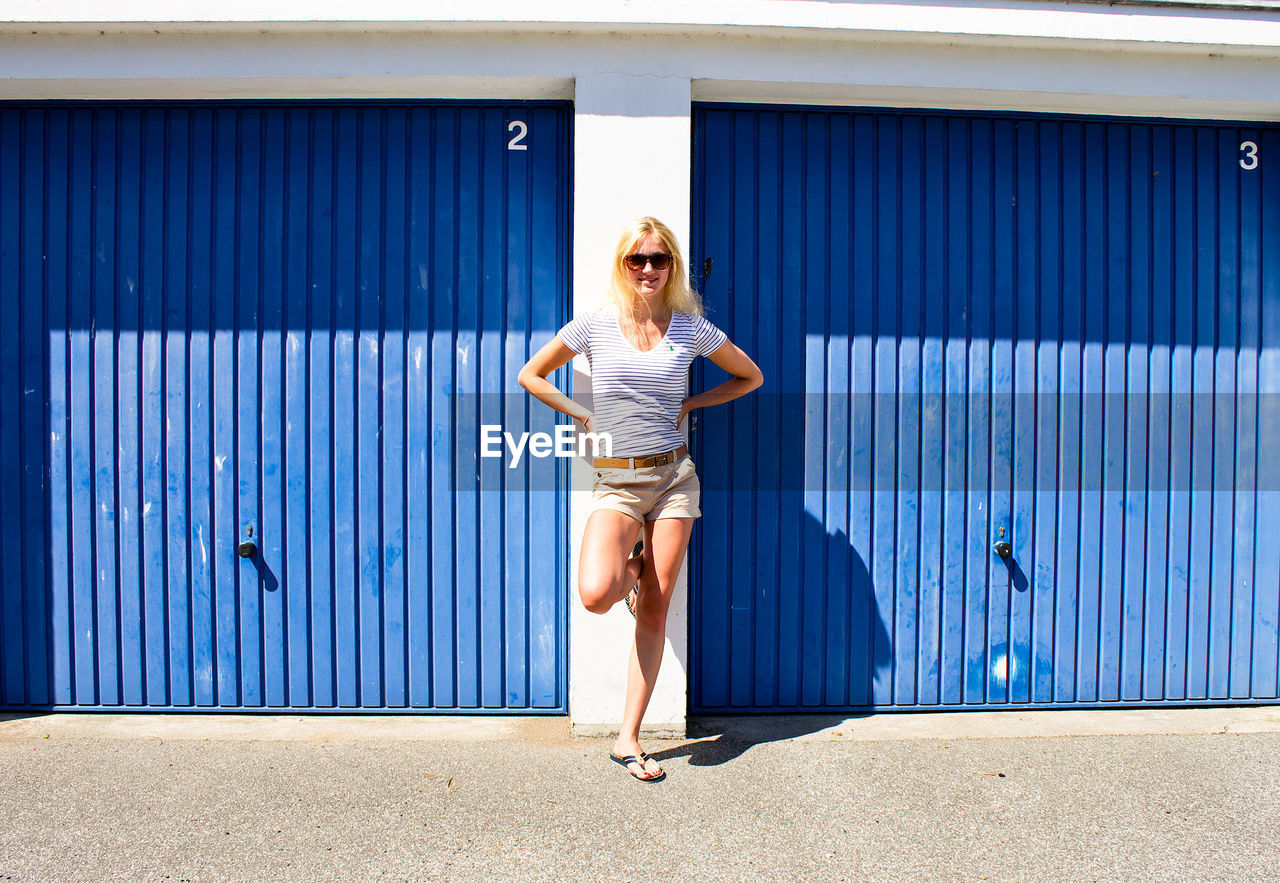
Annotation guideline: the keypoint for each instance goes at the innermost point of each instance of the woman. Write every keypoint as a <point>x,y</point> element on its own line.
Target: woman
<point>640,346</point>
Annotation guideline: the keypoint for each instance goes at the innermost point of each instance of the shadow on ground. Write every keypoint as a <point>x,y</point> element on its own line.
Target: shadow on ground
<point>719,740</point>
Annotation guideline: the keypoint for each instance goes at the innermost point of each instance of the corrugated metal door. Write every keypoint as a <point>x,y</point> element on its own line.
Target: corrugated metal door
<point>1062,333</point>
<point>289,319</point>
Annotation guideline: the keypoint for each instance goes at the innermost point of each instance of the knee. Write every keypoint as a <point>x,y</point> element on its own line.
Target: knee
<point>652,621</point>
<point>651,612</point>
<point>596,597</point>
<point>597,605</point>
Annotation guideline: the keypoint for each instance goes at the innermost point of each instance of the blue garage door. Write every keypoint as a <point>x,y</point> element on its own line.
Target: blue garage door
<point>1058,333</point>
<point>280,324</point>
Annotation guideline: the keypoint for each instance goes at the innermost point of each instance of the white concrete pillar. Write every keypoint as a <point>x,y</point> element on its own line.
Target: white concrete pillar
<point>631,158</point>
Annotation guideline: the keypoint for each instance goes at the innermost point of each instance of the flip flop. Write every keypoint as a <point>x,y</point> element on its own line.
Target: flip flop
<point>634,595</point>
<point>640,759</point>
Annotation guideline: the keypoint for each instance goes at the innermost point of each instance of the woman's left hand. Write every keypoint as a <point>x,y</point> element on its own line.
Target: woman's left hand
<point>685,409</point>
<point>746,377</point>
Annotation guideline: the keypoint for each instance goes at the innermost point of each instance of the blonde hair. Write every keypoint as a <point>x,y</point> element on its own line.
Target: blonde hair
<point>677,295</point>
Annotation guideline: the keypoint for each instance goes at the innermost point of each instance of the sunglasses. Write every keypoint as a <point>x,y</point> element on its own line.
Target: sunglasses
<point>659,261</point>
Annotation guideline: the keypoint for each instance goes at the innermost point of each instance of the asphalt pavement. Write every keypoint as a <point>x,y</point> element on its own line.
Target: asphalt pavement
<point>1107,795</point>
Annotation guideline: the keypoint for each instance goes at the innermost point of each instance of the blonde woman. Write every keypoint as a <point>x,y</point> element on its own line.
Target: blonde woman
<point>640,346</point>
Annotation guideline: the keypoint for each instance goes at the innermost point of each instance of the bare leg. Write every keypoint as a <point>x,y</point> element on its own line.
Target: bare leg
<point>606,572</point>
<point>664,549</point>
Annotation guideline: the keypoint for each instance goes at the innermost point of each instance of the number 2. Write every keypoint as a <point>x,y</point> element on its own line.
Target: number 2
<point>514,143</point>
<point>1249,161</point>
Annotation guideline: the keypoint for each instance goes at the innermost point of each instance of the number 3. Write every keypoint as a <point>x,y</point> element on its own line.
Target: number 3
<point>1249,161</point>
<point>514,143</point>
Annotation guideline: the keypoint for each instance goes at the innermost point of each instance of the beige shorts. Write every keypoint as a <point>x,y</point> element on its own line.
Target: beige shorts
<point>649,492</point>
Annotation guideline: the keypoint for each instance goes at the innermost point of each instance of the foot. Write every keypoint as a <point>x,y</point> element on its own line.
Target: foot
<point>639,764</point>
<point>633,594</point>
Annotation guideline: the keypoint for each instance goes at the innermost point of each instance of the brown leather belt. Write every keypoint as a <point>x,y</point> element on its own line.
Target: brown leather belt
<point>639,462</point>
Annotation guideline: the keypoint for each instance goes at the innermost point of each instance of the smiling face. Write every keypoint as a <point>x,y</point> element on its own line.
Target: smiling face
<point>662,289</point>
<point>648,281</point>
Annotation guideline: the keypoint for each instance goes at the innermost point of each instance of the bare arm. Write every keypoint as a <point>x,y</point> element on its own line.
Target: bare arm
<point>746,376</point>
<point>533,377</point>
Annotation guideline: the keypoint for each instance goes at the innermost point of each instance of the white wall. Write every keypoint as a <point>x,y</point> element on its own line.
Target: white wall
<point>632,69</point>
<point>995,18</point>
<point>631,158</point>
<point>1070,75</point>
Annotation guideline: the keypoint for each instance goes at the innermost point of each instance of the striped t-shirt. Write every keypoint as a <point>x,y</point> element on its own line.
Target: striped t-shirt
<point>637,395</point>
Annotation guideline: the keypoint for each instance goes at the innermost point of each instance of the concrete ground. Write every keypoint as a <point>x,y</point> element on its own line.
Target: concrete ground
<point>1051,795</point>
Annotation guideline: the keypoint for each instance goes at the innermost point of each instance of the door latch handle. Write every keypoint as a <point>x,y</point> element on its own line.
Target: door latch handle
<point>248,548</point>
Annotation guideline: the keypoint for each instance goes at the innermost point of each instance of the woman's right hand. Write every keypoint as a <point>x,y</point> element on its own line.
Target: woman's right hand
<point>586,421</point>
<point>533,377</point>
